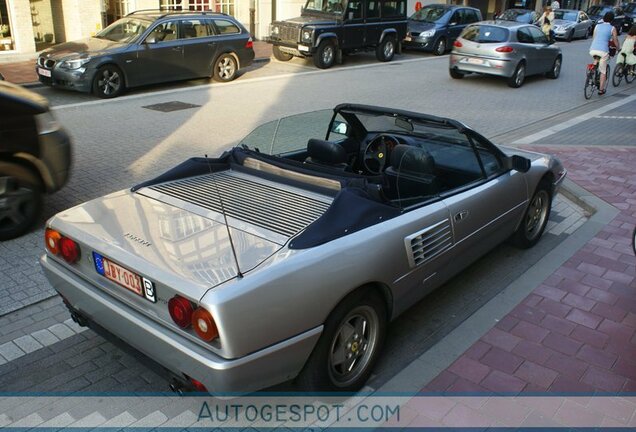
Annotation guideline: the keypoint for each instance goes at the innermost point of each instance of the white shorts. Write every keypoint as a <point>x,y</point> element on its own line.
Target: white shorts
<point>604,58</point>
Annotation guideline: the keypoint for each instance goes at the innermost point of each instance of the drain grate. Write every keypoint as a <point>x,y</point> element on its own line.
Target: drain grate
<point>170,106</point>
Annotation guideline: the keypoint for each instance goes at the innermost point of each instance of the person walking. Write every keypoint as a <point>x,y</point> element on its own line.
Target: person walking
<point>604,32</point>
<point>546,21</point>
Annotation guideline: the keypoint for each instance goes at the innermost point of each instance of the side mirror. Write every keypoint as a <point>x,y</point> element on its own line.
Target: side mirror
<point>152,39</point>
<point>453,23</point>
<point>517,163</point>
<point>339,127</point>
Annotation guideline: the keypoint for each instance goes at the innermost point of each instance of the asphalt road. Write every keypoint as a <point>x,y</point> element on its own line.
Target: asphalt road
<point>121,142</point>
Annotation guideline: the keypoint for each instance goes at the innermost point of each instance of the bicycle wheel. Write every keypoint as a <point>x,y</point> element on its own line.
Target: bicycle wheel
<point>617,77</point>
<point>607,76</point>
<point>588,90</point>
<point>630,74</point>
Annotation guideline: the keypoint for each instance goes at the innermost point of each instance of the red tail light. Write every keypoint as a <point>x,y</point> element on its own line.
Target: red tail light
<point>69,250</point>
<point>52,240</point>
<point>198,386</point>
<point>504,49</point>
<point>457,44</point>
<point>250,43</point>
<point>180,311</point>
<point>204,325</point>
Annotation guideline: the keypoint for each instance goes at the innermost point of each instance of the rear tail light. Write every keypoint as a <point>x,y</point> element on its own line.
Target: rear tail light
<point>59,245</point>
<point>52,239</point>
<point>180,311</point>
<point>198,386</point>
<point>250,43</point>
<point>504,49</point>
<point>457,44</point>
<point>204,325</point>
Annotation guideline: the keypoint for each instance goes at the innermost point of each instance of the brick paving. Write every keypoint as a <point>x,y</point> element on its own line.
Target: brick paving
<point>576,332</point>
<point>23,72</point>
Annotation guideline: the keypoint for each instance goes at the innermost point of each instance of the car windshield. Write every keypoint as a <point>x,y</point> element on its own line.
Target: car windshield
<point>516,15</point>
<point>431,14</point>
<point>485,34</point>
<point>566,15</point>
<point>124,30</point>
<point>325,6</point>
<point>598,10</point>
<point>630,7</point>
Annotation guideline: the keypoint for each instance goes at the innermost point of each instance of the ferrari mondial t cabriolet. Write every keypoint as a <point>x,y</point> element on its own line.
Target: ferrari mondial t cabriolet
<point>287,256</point>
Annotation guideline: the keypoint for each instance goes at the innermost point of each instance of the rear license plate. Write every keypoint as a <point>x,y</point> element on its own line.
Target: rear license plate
<point>475,61</point>
<point>44,72</point>
<point>124,277</point>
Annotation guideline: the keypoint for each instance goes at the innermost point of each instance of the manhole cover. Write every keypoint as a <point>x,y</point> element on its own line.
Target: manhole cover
<point>171,106</point>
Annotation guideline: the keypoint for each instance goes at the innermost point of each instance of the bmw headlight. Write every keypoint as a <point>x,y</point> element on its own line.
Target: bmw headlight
<point>306,36</point>
<point>427,33</point>
<point>74,63</point>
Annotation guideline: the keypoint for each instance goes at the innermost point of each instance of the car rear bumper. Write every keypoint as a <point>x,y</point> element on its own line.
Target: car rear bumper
<point>79,80</point>
<point>483,65</point>
<point>269,366</point>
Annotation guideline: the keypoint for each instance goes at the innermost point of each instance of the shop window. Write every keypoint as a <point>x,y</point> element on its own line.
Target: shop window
<point>6,36</point>
<point>224,6</point>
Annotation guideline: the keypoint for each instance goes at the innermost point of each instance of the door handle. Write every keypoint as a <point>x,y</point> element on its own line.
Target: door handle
<point>211,44</point>
<point>177,48</point>
<point>461,215</point>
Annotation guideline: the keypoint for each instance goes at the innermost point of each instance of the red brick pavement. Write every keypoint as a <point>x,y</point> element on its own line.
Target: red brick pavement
<point>576,332</point>
<point>24,72</point>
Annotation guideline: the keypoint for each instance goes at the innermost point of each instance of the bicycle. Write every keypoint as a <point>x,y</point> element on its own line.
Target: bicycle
<point>623,70</point>
<point>593,78</point>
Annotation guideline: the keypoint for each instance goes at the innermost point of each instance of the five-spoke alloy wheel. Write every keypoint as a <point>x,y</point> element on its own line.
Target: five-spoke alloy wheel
<point>225,68</point>
<point>108,82</point>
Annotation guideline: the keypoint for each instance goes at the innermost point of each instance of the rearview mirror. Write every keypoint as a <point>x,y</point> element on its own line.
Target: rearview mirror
<point>517,163</point>
<point>339,127</point>
<point>403,123</point>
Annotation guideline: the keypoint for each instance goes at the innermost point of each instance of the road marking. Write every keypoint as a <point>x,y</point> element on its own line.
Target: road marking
<point>242,82</point>
<point>617,117</point>
<point>576,120</point>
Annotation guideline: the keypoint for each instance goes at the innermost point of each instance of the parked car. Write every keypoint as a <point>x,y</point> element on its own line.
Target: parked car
<point>596,14</point>
<point>288,256</point>
<point>507,49</point>
<point>35,158</point>
<point>525,16</point>
<point>630,15</point>
<point>570,24</point>
<point>146,48</point>
<point>328,29</point>
<point>435,27</point>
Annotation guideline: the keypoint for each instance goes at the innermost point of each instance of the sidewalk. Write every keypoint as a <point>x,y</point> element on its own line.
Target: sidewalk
<point>24,72</point>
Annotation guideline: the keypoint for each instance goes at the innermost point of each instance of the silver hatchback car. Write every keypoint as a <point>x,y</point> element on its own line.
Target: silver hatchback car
<point>503,48</point>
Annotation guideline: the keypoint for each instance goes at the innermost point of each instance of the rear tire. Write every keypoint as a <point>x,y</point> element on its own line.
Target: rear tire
<point>440,47</point>
<point>631,74</point>
<point>617,76</point>
<point>535,219</point>
<point>21,203</point>
<point>225,68</point>
<point>455,74</point>
<point>385,51</point>
<point>349,346</point>
<point>518,77</point>
<point>325,55</point>
<point>279,55</point>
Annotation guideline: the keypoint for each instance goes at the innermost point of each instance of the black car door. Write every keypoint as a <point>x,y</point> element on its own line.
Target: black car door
<point>160,55</point>
<point>354,27</point>
<point>372,19</point>
<point>199,46</point>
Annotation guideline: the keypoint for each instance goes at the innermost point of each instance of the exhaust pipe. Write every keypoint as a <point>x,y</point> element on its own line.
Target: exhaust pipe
<point>177,387</point>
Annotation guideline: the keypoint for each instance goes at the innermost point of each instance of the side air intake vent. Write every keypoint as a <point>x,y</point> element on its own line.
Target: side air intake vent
<point>428,243</point>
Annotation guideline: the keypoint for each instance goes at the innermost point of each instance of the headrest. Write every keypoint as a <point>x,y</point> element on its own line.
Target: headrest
<point>412,160</point>
<point>326,151</point>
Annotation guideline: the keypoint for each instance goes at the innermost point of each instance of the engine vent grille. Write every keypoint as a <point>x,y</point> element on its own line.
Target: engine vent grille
<point>289,34</point>
<point>281,211</point>
<point>428,243</point>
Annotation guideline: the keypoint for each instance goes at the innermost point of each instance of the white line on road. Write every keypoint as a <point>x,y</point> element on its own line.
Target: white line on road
<point>617,117</point>
<point>245,81</point>
<point>576,120</point>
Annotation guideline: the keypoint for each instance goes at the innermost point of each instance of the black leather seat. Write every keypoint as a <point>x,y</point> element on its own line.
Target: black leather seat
<point>411,174</point>
<point>326,153</point>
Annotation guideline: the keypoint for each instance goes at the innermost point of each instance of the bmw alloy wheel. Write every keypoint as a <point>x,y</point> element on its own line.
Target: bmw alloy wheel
<point>109,82</point>
<point>353,346</point>
<point>226,68</point>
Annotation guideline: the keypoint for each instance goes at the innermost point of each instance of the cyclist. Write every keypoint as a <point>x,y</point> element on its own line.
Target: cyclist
<point>604,32</point>
<point>628,48</point>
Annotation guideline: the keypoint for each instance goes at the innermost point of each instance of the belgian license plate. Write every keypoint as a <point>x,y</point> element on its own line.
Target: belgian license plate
<point>44,72</point>
<point>124,277</point>
<point>475,61</point>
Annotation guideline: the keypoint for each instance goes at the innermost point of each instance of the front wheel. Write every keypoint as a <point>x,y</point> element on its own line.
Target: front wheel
<point>588,90</point>
<point>555,71</point>
<point>225,68</point>
<point>108,82</point>
<point>20,200</point>
<point>617,77</point>
<point>588,33</point>
<point>325,55</point>
<point>279,55</point>
<point>440,47</point>
<point>517,78</point>
<point>349,346</point>
<point>385,50</point>
<point>570,36</point>
<point>535,219</point>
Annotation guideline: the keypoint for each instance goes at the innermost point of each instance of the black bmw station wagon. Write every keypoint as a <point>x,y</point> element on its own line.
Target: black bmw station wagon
<point>148,47</point>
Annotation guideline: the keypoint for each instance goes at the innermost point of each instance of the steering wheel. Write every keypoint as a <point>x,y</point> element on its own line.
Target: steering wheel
<point>377,151</point>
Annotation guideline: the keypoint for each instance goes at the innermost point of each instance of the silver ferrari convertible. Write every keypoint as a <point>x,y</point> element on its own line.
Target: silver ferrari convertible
<point>287,256</point>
